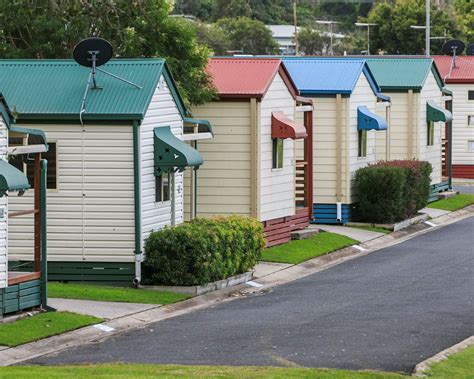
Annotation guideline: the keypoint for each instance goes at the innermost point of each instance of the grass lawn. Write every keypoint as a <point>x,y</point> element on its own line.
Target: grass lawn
<point>106,293</point>
<point>171,371</point>
<point>299,251</point>
<point>41,326</point>
<point>376,229</point>
<point>459,366</point>
<point>453,204</point>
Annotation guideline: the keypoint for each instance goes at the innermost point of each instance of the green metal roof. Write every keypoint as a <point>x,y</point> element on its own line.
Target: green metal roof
<point>172,154</point>
<point>11,179</point>
<point>403,73</point>
<point>53,89</point>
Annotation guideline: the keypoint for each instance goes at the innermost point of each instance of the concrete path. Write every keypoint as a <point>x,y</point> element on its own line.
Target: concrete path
<point>266,268</point>
<point>388,310</point>
<point>102,309</point>
<point>360,235</point>
<point>464,188</point>
<point>433,213</point>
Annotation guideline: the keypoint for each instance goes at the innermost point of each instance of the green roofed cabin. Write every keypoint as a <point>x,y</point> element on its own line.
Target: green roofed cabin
<point>22,286</point>
<point>420,121</point>
<point>115,170</point>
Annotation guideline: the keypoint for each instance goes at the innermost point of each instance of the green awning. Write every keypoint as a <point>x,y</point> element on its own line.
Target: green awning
<point>204,126</point>
<point>35,136</point>
<point>437,114</point>
<point>11,179</point>
<point>172,154</point>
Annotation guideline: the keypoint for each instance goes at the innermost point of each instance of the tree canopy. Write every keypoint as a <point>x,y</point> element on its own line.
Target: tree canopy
<point>464,11</point>
<point>140,28</point>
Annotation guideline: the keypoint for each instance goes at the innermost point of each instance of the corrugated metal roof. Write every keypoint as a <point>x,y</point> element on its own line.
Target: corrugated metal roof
<point>462,73</point>
<point>401,73</point>
<point>54,88</point>
<point>324,75</point>
<point>243,77</point>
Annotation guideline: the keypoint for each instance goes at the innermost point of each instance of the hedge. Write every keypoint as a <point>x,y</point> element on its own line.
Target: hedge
<point>390,191</point>
<point>202,251</point>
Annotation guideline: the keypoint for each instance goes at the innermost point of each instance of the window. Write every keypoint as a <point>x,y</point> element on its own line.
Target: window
<point>430,133</point>
<point>362,142</point>
<point>470,120</point>
<point>470,145</point>
<point>470,95</point>
<point>163,187</point>
<point>278,153</point>
<point>29,168</point>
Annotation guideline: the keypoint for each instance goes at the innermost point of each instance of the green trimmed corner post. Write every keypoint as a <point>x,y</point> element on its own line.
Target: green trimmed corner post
<point>449,106</point>
<point>137,203</point>
<point>44,234</point>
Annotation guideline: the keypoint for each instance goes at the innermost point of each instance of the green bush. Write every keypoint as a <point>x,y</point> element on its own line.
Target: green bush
<point>392,191</point>
<point>202,251</point>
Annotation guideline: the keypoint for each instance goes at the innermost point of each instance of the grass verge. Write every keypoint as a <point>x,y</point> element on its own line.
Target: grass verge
<point>171,371</point>
<point>41,326</point>
<point>454,203</point>
<point>295,252</point>
<point>106,293</point>
<point>459,366</point>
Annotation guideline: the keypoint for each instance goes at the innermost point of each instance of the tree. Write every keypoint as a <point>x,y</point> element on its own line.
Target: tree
<point>231,9</point>
<point>393,34</point>
<point>249,36</point>
<point>310,42</point>
<point>202,9</point>
<point>213,37</point>
<point>464,11</point>
<point>51,28</point>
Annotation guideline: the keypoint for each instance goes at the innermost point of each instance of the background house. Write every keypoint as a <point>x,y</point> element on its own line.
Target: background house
<point>115,170</point>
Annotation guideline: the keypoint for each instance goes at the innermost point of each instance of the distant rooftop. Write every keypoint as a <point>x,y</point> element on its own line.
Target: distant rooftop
<point>462,73</point>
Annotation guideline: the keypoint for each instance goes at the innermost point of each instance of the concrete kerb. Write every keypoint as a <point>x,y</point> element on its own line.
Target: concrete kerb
<point>91,334</point>
<point>422,367</point>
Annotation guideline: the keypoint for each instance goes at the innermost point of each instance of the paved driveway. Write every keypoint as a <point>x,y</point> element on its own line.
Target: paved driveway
<point>388,311</point>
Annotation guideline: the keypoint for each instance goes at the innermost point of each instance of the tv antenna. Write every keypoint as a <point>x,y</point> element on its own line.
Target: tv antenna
<point>94,52</point>
<point>453,47</point>
<point>470,49</point>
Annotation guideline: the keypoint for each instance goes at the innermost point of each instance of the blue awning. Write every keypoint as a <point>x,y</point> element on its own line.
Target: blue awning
<point>171,154</point>
<point>11,179</point>
<point>366,120</point>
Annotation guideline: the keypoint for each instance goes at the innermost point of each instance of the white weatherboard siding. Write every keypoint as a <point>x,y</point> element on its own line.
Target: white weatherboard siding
<point>223,180</point>
<point>432,154</point>
<point>277,186</point>
<point>362,95</point>
<point>162,111</point>
<point>3,215</point>
<point>91,215</point>
<point>325,149</point>
<point>462,132</point>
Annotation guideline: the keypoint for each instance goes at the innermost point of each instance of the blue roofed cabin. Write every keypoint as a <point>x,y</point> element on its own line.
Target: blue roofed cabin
<point>345,124</point>
<point>115,169</point>
<point>22,286</point>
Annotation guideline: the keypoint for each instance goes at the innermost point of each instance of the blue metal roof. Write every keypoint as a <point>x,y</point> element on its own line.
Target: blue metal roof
<point>319,76</point>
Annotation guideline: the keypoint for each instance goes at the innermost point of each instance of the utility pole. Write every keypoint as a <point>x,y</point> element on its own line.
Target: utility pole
<point>295,21</point>
<point>331,33</point>
<point>427,30</point>
<point>367,25</point>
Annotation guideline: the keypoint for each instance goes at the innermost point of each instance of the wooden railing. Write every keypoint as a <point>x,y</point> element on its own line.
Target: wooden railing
<point>300,185</point>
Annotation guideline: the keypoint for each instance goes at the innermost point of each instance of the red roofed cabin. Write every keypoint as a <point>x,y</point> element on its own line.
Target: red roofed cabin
<point>250,167</point>
<point>460,80</point>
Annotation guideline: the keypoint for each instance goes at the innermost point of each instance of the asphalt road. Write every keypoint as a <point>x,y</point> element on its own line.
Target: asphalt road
<point>388,310</point>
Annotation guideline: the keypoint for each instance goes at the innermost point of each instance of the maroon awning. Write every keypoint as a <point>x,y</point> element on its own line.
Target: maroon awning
<point>283,127</point>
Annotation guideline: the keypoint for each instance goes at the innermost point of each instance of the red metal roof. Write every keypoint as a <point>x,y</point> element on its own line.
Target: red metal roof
<point>462,73</point>
<point>243,77</point>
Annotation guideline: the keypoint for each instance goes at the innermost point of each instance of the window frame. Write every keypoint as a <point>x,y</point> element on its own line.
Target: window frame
<point>470,120</point>
<point>162,195</point>
<point>278,153</point>
<point>430,132</point>
<point>470,95</point>
<point>362,143</point>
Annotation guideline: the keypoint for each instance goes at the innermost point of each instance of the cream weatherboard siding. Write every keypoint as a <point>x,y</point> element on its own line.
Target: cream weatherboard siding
<point>432,154</point>
<point>223,180</point>
<point>162,111</point>
<point>362,95</point>
<point>277,186</point>
<point>3,212</point>
<point>462,131</point>
<point>91,214</point>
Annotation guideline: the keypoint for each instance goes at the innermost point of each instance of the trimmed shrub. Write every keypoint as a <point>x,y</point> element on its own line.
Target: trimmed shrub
<point>202,251</point>
<point>392,191</point>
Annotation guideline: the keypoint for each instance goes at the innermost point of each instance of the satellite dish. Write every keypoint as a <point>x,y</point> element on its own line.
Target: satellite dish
<point>93,52</point>
<point>470,49</point>
<point>453,47</point>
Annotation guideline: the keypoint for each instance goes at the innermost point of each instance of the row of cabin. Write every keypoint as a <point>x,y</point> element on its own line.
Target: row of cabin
<point>287,137</point>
